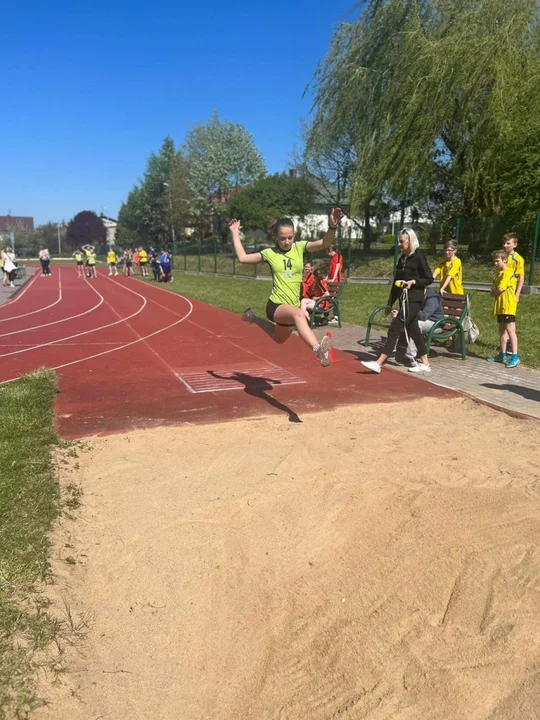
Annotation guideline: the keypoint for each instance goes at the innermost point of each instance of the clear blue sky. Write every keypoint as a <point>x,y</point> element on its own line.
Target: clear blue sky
<point>90,89</point>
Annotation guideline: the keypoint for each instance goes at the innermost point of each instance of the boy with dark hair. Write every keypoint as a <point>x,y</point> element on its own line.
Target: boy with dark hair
<point>504,292</point>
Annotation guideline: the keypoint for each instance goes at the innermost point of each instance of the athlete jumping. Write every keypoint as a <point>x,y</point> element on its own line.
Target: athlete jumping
<point>286,262</point>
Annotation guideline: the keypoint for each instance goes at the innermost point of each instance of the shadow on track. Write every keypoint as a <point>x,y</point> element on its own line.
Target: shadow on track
<point>257,387</point>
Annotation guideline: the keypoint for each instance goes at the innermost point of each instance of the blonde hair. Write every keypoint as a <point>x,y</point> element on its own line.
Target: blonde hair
<point>500,255</point>
<point>413,240</point>
<point>451,244</point>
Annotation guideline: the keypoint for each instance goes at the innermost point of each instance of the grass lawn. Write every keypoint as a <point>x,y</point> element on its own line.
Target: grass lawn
<point>29,503</point>
<point>359,300</point>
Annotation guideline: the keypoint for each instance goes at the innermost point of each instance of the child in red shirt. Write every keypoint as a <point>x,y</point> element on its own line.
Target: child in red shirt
<point>318,289</point>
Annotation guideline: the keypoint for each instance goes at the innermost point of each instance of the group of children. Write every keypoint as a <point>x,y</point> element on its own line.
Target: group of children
<point>315,282</point>
<point>161,263</point>
<point>506,289</point>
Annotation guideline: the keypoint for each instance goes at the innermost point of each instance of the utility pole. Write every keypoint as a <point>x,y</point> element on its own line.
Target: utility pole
<point>59,240</point>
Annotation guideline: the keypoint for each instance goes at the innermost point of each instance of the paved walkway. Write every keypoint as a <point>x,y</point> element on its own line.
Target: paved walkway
<point>516,390</point>
<point>6,293</point>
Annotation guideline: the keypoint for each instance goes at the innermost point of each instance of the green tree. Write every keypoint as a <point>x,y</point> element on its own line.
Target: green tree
<point>222,157</point>
<point>86,228</point>
<point>434,93</point>
<point>145,215</point>
<point>274,196</point>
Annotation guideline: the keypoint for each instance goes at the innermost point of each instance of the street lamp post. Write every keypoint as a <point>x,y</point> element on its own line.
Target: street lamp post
<point>59,240</point>
<point>173,234</point>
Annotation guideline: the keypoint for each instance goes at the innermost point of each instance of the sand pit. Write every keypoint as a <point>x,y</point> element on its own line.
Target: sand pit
<point>256,570</point>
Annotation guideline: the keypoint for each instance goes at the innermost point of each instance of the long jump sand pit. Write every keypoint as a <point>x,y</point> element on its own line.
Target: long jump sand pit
<point>378,562</point>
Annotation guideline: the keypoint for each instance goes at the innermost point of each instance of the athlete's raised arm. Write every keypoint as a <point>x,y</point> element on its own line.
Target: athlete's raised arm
<point>241,254</point>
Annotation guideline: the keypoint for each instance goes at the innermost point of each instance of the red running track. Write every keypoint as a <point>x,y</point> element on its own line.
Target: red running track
<point>133,355</point>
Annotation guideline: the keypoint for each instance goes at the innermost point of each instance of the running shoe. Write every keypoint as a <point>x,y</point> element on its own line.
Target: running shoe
<point>372,365</point>
<point>248,316</point>
<point>420,369</point>
<point>323,351</point>
<point>513,362</point>
<point>499,358</point>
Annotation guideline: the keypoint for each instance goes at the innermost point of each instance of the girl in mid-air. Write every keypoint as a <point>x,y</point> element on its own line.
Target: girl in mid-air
<point>286,262</point>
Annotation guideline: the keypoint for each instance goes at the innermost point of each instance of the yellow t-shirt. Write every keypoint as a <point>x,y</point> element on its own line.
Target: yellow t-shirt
<point>454,269</point>
<point>143,256</point>
<point>517,265</point>
<point>505,303</point>
<point>111,257</point>
<point>91,258</point>
<point>78,257</point>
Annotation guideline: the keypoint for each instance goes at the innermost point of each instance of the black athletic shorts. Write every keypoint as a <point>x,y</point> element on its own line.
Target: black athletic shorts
<point>80,262</point>
<point>506,319</point>
<point>271,308</point>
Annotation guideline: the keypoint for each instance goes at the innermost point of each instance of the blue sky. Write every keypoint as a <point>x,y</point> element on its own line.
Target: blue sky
<point>89,90</point>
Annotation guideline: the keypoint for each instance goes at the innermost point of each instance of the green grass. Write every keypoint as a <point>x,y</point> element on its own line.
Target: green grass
<point>29,503</point>
<point>359,300</point>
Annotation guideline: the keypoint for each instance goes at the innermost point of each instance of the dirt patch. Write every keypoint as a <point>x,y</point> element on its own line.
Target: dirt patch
<point>377,562</point>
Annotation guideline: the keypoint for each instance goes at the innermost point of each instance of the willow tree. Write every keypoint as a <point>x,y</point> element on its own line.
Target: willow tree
<point>434,93</point>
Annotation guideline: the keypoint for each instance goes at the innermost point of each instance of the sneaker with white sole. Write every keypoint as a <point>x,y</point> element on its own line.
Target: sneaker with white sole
<point>323,351</point>
<point>372,365</point>
<point>420,369</point>
<point>248,316</point>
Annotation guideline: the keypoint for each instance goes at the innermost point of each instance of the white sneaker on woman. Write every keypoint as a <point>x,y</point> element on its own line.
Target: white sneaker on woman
<point>420,369</point>
<point>372,365</point>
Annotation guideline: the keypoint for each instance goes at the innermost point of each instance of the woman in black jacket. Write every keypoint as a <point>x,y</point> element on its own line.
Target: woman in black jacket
<point>413,275</point>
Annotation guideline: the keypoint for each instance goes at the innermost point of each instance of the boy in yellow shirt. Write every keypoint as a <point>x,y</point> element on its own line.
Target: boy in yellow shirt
<point>504,292</point>
<point>450,271</point>
<point>111,262</point>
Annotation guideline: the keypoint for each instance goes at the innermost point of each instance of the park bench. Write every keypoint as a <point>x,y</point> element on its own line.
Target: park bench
<point>328,306</point>
<point>446,328</point>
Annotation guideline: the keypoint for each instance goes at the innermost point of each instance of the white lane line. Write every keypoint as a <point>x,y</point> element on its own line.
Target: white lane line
<point>134,342</point>
<point>86,332</point>
<point>55,322</point>
<point>9,303</point>
<point>15,317</point>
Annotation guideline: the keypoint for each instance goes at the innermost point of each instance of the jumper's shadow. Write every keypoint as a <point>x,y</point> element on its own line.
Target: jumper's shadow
<point>257,387</point>
<point>526,392</point>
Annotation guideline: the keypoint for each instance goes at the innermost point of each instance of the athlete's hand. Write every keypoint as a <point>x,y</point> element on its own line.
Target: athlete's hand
<point>336,217</point>
<point>235,225</point>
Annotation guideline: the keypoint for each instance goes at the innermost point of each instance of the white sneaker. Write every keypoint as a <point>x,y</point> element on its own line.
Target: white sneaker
<point>372,365</point>
<point>323,351</point>
<point>420,369</point>
<point>248,316</point>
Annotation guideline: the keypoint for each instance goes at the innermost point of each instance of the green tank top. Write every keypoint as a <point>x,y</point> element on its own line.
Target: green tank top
<point>287,269</point>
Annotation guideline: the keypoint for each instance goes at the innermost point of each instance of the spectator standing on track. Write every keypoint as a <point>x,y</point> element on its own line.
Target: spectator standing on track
<point>9,268</point>
<point>286,261</point>
<point>413,275</point>
<point>88,250</point>
<point>166,265</point>
<point>143,262</point>
<point>450,271</point>
<point>505,306</point>
<point>79,259</point>
<point>111,262</point>
<point>156,268</point>
<point>45,260</point>
<point>127,259</point>
<point>92,264</point>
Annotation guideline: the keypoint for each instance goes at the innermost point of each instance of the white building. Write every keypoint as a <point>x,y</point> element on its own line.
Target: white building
<point>110,225</point>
